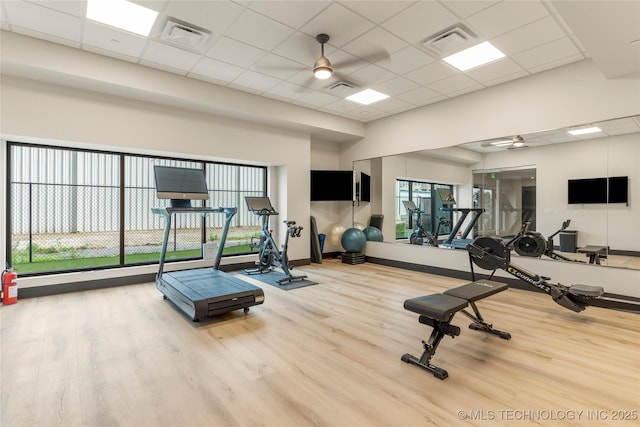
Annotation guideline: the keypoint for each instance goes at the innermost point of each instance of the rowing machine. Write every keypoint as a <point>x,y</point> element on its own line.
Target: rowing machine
<point>490,253</point>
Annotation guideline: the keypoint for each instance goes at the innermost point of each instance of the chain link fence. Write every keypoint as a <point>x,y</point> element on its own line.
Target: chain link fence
<point>71,210</point>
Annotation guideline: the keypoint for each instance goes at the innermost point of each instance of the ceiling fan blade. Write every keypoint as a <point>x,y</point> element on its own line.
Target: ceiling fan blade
<point>377,57</point>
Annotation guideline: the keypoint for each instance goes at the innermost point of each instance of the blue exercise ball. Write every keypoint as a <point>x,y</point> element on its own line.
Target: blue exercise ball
<point>373,234</point>
<point>353,240</point>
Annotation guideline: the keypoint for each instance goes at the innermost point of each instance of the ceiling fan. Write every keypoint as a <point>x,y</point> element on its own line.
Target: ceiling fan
<point>322,68</point>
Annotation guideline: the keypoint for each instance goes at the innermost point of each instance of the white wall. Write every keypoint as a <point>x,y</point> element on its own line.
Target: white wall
<point>567,96</point>
<point>41,112</point>
<point>331,217</point>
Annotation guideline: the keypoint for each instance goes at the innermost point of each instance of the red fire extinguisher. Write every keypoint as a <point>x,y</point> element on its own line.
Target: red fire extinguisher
<point>9,286</point>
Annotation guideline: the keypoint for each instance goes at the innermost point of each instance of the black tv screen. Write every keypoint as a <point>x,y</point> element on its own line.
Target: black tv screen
<point>592,190</point>
<point>365,187</point>
<point>618,189</point>
<point>181,185</point>
<point>332,185</point>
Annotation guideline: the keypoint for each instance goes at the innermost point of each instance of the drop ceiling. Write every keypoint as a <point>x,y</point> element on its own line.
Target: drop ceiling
<point>268,48</point>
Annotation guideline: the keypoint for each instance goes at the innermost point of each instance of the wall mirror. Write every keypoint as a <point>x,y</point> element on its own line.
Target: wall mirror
<point>518,179</point>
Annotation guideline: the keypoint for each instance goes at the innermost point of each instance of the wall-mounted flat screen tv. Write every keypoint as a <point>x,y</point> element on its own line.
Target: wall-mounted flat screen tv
<point>365,187</point>
<point>598,190</point>
<point>618,189</point>
<point>332,185</point>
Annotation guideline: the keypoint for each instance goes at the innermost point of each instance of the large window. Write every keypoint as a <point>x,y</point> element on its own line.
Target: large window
<point>426,198</point>
<point>71,209</point>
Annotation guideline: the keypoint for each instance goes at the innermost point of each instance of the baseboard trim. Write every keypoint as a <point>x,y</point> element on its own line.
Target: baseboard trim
<point>89,285</point>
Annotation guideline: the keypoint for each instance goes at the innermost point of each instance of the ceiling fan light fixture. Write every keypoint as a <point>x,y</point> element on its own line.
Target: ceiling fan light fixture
<point>322,69</point>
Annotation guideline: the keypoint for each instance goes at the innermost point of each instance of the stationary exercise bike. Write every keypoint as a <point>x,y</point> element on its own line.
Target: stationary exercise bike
<point>419,236</point>
<point>491,253</point>
<point>269,257</point>
<point>533,244</point>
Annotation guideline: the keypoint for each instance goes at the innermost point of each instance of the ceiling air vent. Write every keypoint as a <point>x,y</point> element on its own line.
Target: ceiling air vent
<point>450,40</point>
<point>186,36</point>
<point>342,88</point>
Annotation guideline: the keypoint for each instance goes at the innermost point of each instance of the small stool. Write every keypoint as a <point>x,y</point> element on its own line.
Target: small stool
<point>594,252</point>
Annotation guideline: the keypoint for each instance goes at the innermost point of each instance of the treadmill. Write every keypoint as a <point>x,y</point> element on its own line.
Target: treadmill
<point>447,206</point>
<point>198,292</point>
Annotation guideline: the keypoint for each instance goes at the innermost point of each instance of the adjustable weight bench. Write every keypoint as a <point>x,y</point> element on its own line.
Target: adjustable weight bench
<point>438,310</point>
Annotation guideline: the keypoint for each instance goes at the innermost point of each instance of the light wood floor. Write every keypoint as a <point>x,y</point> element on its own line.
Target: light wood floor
<point>325,355</point>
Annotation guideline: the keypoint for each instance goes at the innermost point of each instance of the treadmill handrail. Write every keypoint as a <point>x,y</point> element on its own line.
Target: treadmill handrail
<point>167,213</point>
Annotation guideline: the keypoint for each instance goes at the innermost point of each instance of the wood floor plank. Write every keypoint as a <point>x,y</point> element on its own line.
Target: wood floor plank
<point>326,355</point>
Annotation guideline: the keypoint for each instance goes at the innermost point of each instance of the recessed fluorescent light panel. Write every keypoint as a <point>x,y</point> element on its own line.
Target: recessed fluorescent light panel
<point>123,15</point>
<point>585,131</point>
<point>477,55</point>
<point>367,96</point>
<point>502,143</point>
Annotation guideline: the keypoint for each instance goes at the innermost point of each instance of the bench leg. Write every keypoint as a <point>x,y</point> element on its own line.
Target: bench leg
<point>440,329</point>
<point>479,323</point>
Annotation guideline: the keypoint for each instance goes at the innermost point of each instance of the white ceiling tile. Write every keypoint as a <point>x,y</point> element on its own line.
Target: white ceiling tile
<point>529,36</point>
<point>420,21</point>
<point>111,54</point>
<point>258,30</point>
<point>431,100</point>
<point>391,104</point>
<point>506,78</point>
<point>375,45</point>
<point>162,67</point>
<point>546,53</point>
<point>277,66</point>
<point>215,16</point>
<point>235,52</point>
<point>453,84</point>
<point>344,63</point>
<point>494,70</point>
<point>466,8</point>
<point>70,7</point>
<point>407,59</point>
<point>370,75</point>
<point>416,96</point>
<point>366,113</point>
<point>113,40</point>
<point>506,16</point>
<point>301,48</point>
<point>292,13</point>
<point>316,99</point>
<point>431,73</point>
<point>342,106</point>
<point>43,20</point>
<point>341,24</point>
<point>377,11</point>
<point>218,71</point>
<point>557,63</point>
<point>256,81</point>
<point>464,90</point>
<point>286,90</point>
<point>169,56</point>
<point>45,36</point>
<point>395,86</point>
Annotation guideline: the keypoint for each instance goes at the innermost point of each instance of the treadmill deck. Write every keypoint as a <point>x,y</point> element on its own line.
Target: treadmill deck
<point>205,292</point>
